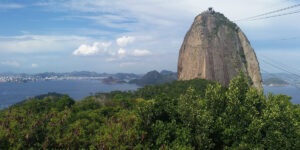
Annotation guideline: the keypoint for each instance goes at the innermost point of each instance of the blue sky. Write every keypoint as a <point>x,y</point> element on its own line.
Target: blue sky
<point>129,35</point>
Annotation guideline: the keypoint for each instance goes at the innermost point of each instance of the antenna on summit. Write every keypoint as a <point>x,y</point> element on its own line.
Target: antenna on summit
<point>211,10</point>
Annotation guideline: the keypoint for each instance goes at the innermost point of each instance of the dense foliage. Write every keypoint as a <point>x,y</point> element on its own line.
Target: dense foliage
<point>196,114</point>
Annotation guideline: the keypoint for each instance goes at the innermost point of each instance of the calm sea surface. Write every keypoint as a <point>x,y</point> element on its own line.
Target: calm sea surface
<point>287,90</point>
<point>11,93</point>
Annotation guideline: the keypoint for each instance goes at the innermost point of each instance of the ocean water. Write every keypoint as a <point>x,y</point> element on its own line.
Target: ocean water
<point>292,91</point>
<point>11,93</point>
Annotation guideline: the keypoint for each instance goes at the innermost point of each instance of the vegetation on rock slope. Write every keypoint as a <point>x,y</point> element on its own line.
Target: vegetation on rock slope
<point>195,114</point>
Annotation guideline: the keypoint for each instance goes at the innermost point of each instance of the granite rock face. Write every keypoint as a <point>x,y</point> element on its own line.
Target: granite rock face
<point>216,49</point>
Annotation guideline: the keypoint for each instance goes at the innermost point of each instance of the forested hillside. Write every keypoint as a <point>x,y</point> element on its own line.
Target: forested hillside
<point>195,114</point>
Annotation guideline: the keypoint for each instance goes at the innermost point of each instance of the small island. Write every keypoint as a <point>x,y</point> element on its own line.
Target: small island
<point>155,77</point>
<point>111,80</point>
<point>275,82</point>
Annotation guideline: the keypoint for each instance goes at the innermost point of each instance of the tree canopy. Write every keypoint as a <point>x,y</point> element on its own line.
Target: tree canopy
<point>195,114</point>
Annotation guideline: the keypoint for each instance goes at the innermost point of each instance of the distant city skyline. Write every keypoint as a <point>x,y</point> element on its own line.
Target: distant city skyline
<point>132,36</point>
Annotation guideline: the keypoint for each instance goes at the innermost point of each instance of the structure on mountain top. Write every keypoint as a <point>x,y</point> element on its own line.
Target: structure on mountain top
<point>216,49</point>
<point>211,10</point>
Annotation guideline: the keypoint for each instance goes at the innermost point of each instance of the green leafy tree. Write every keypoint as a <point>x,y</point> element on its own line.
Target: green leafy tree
<point>195,114</point>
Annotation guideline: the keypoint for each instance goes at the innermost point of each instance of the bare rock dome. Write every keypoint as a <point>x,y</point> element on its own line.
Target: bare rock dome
<point>216,49</point>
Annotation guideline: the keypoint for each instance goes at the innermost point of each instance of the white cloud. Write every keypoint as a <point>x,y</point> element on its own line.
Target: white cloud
<point>34,65</point>
<point>125,40</point>
<point>40,43</point>
<point>122,53</point>
<point>11,63</point>
<point>113,21</point>
<point>138,52</point>
<point>86,50</point>
<point>166,22</point>
<point>10,6</point>
<point>105,45</point>
<point>150,16</point>
<point>167,12</point>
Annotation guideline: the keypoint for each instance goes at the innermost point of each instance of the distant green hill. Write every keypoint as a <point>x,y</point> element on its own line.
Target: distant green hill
<point>275,82</point>
<point>154,77</point>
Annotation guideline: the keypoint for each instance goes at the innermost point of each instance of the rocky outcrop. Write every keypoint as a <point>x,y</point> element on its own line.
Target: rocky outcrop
<point>216,49</point>
<point>111,80</point>
<point>154,77</point>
